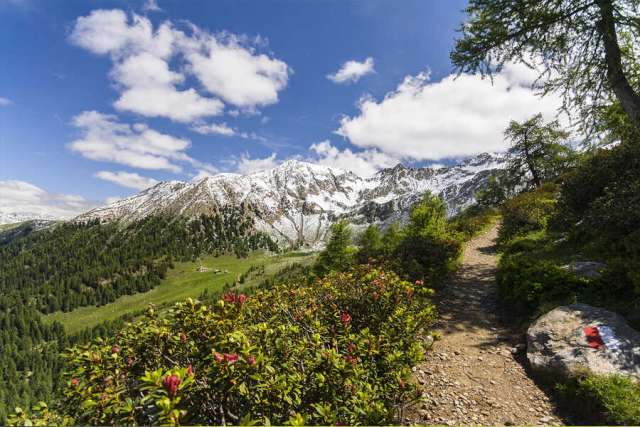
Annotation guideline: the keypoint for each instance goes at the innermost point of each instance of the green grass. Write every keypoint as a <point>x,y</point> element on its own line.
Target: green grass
<point>182,282</point>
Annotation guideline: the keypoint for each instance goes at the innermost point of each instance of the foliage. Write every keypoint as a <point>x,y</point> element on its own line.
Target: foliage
<point>498,189</point>
<point>472,221</point>
<point>71,265</point>
<point>529,287</point>
<point>610,399</point>
<point>337,256</point>
<point>573,43</point>
<point>337,351</point>
<point>370,244</point>
<point>529,211</point>
<point>428,249</point>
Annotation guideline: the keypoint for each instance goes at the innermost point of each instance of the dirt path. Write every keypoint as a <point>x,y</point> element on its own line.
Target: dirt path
<point>473,376</point>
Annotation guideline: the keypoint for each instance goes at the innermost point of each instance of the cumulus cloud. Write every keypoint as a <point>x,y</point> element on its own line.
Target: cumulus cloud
<point>453,117</point>
<point>226,65</point>
<point>236,73</point>
<point>22,198</point>
<point>215,129</point>
<point>352,71</point>
<point>4,102</point>
<point>363,163</point>
<point>127,179</point>
<point>104,138</point>
<point>247,165</point>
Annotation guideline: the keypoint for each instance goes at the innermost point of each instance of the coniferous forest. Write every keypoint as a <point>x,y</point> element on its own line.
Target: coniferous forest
<point>71,265</point>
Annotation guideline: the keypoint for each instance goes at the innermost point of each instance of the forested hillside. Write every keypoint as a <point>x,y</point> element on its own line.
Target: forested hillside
<point>71,265</point>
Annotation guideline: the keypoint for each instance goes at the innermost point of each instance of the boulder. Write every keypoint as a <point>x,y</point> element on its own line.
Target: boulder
<point>571,339</point>
<point>587,269</point>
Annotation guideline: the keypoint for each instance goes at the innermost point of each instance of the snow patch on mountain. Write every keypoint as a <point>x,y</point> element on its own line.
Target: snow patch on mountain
<point>296,202</point>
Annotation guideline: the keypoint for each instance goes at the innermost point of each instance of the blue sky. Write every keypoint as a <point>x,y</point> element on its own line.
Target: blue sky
<point>99,99</point>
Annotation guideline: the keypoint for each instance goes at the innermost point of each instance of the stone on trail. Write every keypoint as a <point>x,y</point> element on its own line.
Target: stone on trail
<point>571,339</point>
<point>587,269</point>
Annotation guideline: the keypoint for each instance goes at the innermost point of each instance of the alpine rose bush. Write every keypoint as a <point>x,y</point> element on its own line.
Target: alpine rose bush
<point>338,351</point>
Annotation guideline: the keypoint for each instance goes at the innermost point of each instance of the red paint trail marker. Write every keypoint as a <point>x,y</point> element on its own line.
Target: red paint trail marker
<point>594,340</point>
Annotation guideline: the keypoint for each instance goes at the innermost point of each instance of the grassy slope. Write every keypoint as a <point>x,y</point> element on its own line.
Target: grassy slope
<point>181,282</point>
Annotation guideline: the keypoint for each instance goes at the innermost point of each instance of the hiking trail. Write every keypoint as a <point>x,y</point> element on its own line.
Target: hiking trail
<point>473,374</point>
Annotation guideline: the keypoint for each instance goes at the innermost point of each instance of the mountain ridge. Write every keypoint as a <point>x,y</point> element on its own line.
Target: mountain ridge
<point>296,202</point>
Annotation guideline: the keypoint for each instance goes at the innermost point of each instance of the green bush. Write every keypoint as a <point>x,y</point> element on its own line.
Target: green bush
<point>530,287</point>
<point>528,212</point>
<point>610,399</point>
<point>472,221</point>
<point>337,351</point>
<point>428,249</point>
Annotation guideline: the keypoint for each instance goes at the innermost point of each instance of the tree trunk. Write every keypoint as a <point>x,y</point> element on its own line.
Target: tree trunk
<point>629,99</point>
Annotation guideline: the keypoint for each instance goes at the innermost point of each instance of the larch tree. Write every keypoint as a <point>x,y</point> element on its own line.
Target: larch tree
<point>584,49</point>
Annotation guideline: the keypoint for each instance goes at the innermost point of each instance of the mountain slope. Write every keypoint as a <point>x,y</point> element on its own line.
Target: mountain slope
<point>296,202</point>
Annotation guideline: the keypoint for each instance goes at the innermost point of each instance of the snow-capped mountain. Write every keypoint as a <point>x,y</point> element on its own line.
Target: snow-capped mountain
<point>17,217</point>
<point>296,202</point>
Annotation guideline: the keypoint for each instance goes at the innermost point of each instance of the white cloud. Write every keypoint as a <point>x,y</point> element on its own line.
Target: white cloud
<point>23,198</point>
<point>127,179</point>
<point>247,165</point>
<point>226,65</point>
<point>214,128</point>
<point>151,6</point>
<point>5,102</point>
<point>236,73</point>
<point>453,117</point>
<point>363,163</point>
<point>352,71</point>
<point>103,138</point>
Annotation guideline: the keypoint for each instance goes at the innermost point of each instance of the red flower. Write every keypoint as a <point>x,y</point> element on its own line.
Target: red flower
<point>75,382</point>
<point>183,338</point>
<point>345,318</point>
<point>171,383</point>
<point>351,348</point>
<point>231,358</point>
<point>251,360</point>
<point>242,298</point>
<point>230,298</point>
<point>352,359</point>
<point>419,282</point>
<point>190,370</point>
<point>115,349</point>
<point>217,357</point>
<point>130,361</point>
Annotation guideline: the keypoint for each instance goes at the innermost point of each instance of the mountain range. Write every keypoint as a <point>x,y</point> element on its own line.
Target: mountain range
<point>296,202</point>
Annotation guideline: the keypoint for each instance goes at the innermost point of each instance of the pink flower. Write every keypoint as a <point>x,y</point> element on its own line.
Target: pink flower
<point>183,338</point>
<point>242,298</point>
<point>419,282</point>
<point>115,349</point>
<point>190,370</point>
<point>218,357</point>
<point>251,360</point>
<point>345,318</point>
<point>230,298</point>
<point>352,359</point>
<point>171,383</point>
<point>231,358</point>
<point>351,348</point>
<point>75,382</point>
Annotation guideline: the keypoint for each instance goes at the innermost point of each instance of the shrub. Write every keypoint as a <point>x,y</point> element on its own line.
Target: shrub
<point>612,399</point>
<point>472,221</point>
<point>337,351</point>
<point>428,249</point>
<point>530,287</point>
<point>528,212</point>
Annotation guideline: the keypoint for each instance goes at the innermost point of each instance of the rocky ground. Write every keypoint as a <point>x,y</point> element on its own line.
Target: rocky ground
<point>474,374</point>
